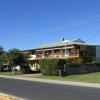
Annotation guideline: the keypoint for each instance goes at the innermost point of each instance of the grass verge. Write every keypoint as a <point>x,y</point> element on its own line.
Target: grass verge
<point>89,78</point>
<point>9,73</point>
<point>7,97</point>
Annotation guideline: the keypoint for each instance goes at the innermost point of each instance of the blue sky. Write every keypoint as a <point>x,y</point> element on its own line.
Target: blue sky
<point>25,24</point>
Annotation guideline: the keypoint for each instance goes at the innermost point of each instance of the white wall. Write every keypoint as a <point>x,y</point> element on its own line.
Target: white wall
<point>32,57</point>
<point>98,52</point>
<point>17,67</point>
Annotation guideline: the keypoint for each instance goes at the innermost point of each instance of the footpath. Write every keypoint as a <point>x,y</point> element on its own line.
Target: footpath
<point>21,77</point>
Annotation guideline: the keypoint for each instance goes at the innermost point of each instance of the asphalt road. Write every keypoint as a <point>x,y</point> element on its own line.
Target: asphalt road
<point>44,91</point>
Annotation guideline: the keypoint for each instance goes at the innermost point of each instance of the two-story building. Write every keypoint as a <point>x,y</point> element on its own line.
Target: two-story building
<point>69,50</point>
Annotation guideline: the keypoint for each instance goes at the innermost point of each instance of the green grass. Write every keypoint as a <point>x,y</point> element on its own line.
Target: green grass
<point>9,73</point>
<point>90,77</point>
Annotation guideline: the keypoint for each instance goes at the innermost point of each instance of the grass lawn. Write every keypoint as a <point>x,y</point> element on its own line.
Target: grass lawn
<point>6,97</point>
<point>9,73</point>
<point>90,77</point>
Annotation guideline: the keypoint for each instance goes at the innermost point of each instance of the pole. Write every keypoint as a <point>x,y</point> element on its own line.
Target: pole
<point>43,53</point>
<point>65,51</point>
<point>13,70</point>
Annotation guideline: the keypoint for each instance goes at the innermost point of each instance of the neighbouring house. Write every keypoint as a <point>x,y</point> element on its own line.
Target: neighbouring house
<point>71,50</point>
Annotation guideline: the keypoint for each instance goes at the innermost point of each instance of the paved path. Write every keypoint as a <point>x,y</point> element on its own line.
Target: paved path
<point>36,90</point>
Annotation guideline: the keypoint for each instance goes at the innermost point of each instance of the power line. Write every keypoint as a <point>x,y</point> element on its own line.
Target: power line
<point>71,24</point>
<point>68,25</point>
<point>93,36</point>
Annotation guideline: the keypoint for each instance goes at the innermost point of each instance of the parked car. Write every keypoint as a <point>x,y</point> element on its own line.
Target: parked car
<point>5,68</point>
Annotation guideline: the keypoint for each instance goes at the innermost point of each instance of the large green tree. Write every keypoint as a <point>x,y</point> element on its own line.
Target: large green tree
<point>1,50</point>
<point>12,54</point>
<point>16,57</point>
<point>3,56</point>
<point>12,57</point>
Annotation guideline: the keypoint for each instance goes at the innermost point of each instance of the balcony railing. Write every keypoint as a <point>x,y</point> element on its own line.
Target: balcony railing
<point>54,56</point>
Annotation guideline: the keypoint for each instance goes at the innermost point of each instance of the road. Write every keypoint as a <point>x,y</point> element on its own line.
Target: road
<point>30,90</point>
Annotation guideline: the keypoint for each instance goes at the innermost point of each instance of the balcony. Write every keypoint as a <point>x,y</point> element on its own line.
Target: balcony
<point>58,56</point>
<point>53,55</point>
<point>73,56</point>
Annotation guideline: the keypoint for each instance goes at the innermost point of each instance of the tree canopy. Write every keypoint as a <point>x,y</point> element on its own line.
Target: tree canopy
<point>12,57</point>
<point>1,50</point>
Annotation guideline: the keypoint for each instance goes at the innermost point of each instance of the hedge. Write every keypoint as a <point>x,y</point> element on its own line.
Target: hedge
<point>51,66</point>
<point>75,68</point>
<point>54,66</point>
<point>73,64</point>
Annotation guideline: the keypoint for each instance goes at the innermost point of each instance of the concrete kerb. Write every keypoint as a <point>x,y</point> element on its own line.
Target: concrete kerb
<point>92,85</point>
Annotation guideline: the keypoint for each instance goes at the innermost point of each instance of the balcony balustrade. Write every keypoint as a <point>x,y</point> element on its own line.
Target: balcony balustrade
<point>56,56</point>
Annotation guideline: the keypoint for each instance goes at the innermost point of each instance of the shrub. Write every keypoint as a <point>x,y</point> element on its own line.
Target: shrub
<point>73,64</point>
<point>96,62</point>
<point>80,60</point>
<point>51,66</point>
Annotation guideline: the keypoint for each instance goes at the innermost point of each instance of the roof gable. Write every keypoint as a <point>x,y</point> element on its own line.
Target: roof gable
<point>79,41</point>
<point>70,42</point>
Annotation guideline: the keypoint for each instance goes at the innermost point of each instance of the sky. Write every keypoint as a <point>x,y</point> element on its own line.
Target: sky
<point>25,24</point>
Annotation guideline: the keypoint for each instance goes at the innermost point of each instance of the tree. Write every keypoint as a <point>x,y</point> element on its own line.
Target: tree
<point>4,58</point>
<point>21,58</point>
<point>16,57</point>
<point>12,54</point>
<point>1,50</point>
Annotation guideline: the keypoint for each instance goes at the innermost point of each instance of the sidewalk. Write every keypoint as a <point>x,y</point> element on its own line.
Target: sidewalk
<point>92,85</point>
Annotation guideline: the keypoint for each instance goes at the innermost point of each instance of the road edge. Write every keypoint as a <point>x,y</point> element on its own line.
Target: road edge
<point>82,84</point>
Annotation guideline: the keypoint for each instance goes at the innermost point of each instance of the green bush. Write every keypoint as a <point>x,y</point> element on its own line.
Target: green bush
<point>95,61</point>
<point>51,66</point>
<point>73,64</point>
<point>80,60</point>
